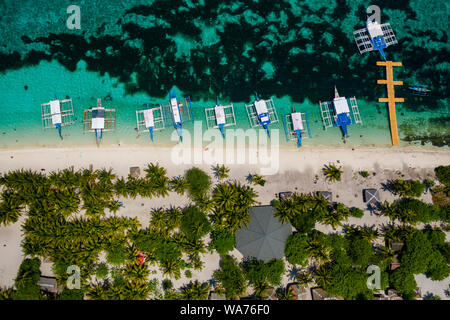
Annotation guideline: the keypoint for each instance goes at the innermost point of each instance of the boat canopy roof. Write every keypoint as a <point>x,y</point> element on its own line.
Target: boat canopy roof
<point>341,105</point>
<point>220,115</point>
<point>55,110</point>
<point>148,118</point>
<point>297,121</point>
<point>261,107</point>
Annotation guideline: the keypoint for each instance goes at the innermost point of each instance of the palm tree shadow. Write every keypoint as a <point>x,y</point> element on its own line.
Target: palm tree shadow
<point>249,178</point>
<point>388,186</point>
<point>292,273</point>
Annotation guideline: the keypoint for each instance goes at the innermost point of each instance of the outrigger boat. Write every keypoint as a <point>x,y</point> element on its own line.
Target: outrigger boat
<point>374,37</point>
<point>418,90</point>
<point>98,120</point>
<point>297,126</point>
<point>57,113</point>
<point>262,113</point>
<point>337,113</point>
<point>177,112</point>
<point>150,119</point>
<point>220,117</point>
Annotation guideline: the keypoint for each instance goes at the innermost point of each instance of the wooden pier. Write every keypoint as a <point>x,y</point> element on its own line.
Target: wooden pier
<point>391,99</point>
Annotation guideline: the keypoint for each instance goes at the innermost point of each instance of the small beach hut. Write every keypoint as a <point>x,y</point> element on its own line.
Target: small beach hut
<point>49,284</point>
<point>374,36</point>
<point>339,113</point>
<point>284,195</point>
<point>176,112</point>
<point>326,195</point>
<point>215,296</point>
<point>261,113</point>
<point>135,172</point>
<point>220,117</point>
<point>396,248</point>
<point>320,294</point>
<point>296,126</point>
<point>300,293</point>
<point>150,119</point>
<point>99,120</point>
<point>57,114</point>
<point>265,236</point>
<point>371,197</point>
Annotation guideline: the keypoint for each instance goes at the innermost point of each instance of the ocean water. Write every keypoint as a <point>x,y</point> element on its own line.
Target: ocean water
<point>130,53</point>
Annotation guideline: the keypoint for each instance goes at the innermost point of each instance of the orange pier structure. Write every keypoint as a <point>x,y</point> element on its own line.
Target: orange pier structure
<point>391,99</point>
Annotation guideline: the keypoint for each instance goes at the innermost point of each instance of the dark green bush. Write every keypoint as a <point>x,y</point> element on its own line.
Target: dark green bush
<point>194,223</point>
<point>231,276</point>
<point>295,249</point>
<point>199,183</point>
<point>304,222</point>
<point>443,174</point>
<point>356,212</point>
<point>409,188</point>
<point>257,272</point>
<point>222,241</point>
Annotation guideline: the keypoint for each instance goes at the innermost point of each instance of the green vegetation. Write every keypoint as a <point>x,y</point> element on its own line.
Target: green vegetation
<point>231,203</point>
<point>116,254</point>
<point>26,281</point>
<point>221,172</point>
<point>222,241</point>
<point>194,223</point>
<point>179,185</point>
<point>295,249</point>
<point>71,294</point>
<point>412,211</point>
<point>260,274</point>
<point>199,183</point>
<point>231,277</point>
<point>257,179</point>
<point>364,174</point>
<point>409,188</point>
<point>332,172</point>
<point>102,271</point>
<point>188,274</point>
<point>443,175</point>
<point>195,291</point>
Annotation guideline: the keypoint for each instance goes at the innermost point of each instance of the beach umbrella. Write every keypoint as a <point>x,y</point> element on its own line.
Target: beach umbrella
<point>265,236</point>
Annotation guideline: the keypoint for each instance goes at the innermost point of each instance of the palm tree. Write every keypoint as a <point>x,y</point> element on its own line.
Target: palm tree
<point>390,210</point>
<point>179,184</point>
<point>105,176</point>
<point>286,209</point>
<point>224,196</point>
<point>195,291</point>
<point>318,250</point>
<point>323,278</point>
<point>137,272</point>
<point>285,294</point>
<point>10,207</point>
<point>171,268</point>
<point>221,172</point>
<point>332,218</point>
<point>304,279</point>
<point>332,172</point>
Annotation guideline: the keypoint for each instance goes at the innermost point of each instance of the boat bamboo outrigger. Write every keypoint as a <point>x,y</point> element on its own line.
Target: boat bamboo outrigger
<point>337,113</point>
<point>150,119</point>
<point>296,126</point>
<point>220,116</point>
<point>262,113</point>
<point>99,120</point>
<point>176,112</point>
<point>374,36</point>
<point>57,114</point>
<point>419,90</point>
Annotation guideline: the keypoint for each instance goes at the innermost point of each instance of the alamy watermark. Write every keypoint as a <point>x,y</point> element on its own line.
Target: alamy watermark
<point>374,280</point>
<point>74,20</point>
<point>251,146</point>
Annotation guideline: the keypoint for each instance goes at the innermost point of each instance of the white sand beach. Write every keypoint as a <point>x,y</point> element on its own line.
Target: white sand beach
<point>296,171</point>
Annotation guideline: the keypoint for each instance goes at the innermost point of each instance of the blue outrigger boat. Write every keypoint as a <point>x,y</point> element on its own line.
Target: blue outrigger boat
<point>176,112</point>
<point>57,113</point>
<point>262,113</point>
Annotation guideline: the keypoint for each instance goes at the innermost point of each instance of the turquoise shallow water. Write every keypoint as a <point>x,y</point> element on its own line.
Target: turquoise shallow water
<point>21,122</point>
<point>135,51</point>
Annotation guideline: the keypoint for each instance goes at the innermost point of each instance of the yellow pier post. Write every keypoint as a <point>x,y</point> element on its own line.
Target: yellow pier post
<point>391,99</point>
